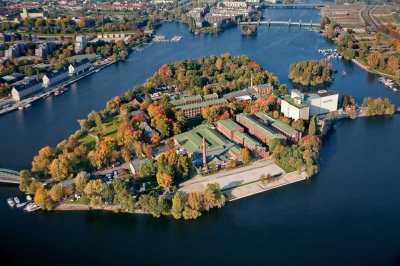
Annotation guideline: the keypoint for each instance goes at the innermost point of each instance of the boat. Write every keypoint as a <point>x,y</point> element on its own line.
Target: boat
<point>20,108</point>
<point>16,200</point>
<point>10,202</point>
<point>20,205</point>
<point>27,106</point>
<point>28,197</point>
<point>46,95</point>
<point>31,207</point>
<point>60,91</point>
<point>344,73</point>
<point>97,70</point>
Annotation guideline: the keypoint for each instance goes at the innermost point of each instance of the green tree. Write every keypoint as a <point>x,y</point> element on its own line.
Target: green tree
<point>81,181</point>
<point>245,156</point>
<point>213,197</point>
<point>25,180</point>
<point>195,200</point>
<point>190,214</point>
<point>313,127</point>
<point>178,204</point>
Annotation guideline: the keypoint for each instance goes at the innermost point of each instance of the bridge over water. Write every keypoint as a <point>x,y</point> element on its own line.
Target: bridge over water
<point>288,23</point>
<point>298,6</point>
<point>9,176</point>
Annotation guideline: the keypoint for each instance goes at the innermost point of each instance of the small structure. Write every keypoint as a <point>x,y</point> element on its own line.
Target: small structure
<point>25,88</point>
<point>79,67</point>
<point>55,77</point>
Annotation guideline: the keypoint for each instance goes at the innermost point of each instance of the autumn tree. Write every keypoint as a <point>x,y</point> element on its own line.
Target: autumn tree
<point>213,197</point>
<point>56,193</point>
<point>178,204</point>
<point>373,60</point>
<point>313,127</point>
<point>244,156</point>
<point>81,181</point>
<point>164,180</point>
<point>42,199</point>
<point>42,161</point>
<point>195,200</point>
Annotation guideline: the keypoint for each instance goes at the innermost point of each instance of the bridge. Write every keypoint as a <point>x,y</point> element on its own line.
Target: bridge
<point>288,23</point>
<point>9,176</point>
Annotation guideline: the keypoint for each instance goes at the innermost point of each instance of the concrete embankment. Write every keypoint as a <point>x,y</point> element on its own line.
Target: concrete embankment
<point>84,207</point>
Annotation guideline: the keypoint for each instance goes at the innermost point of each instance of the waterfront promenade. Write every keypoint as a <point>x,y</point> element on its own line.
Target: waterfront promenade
<point>9,176</point>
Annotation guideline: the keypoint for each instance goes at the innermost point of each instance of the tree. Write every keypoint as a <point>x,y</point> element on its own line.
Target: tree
<point>245,156</point>
<point>150,204</point>
<point>164,180</point>
<point>41,162</point>
<point>312,128</point>
<point>61,168</point>
<point>56,192</point>
<point>93,191</point>
<point>195,200</point>
<point>42,199</point>
<point>184,167</point>
<point>373,59</point>
<point>190,214</point>
<point>81,181</point>
<point>178,204</point>
<point>213,197</point>
<point>298,125</point>
<point>25,180</point>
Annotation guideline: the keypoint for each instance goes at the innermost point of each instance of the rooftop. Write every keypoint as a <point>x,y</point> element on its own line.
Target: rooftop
<point>185,99</point>
<point>277,123</point>
<point>202,104</point>
<point>268,133</point>
<point>230,124</point>
<point>292,102</point>
<point>247,139</point>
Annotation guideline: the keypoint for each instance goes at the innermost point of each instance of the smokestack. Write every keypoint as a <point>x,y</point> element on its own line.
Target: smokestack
<point>204,152</point>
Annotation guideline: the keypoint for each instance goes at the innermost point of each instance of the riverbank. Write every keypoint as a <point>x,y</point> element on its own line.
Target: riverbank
<point>394,78</point>
<point>82,207</point>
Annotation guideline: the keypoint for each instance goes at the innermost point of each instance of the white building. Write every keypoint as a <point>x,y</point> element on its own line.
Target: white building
<point>322,102</point>
<point>25,88</point>
<point>294,106</point>
<point>80,67</point>
<point>80,43</point>
<point>55,77</point>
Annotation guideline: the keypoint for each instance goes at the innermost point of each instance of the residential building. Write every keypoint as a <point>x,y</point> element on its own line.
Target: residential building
<point>194,99</point>
<point>55,77</point>
<point>233,4</point>
<point>25,88</point>
<point>16,50</point>
<point>12,78</point>
<point>322,102</point>
<point>79,67</point>
<point>259,130</point>
<point>44,49</point>
<point>293,106</point>
<point>235,133</point>
<point>292,134</point>
<point>80,44</point>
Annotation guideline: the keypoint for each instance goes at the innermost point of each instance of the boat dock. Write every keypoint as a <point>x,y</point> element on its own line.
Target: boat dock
<point>9,176</point>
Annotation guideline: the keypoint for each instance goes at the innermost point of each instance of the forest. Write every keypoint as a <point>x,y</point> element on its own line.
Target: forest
<point>311,73</point>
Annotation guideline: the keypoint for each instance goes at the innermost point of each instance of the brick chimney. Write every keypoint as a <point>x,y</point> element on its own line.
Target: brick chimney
<point>204,152</point>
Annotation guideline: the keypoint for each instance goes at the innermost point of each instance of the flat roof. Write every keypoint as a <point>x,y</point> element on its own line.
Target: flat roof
<point>247,139</point>
<point>268,133</point>
<point>292,102</point>
<point>277,123</point>
<point>184,99</point>
<point>202,104</point>
<point>210,96</point>
<point>230,124</point>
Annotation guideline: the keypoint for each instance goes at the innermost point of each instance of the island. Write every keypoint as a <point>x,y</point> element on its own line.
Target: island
<point>311,73</point>
<point>196,134</point>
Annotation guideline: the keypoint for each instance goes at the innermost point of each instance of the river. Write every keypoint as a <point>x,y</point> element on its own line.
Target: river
<point>346,215</point>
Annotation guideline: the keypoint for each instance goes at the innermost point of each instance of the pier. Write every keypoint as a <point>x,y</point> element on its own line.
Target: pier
<point>288,23</point>
<point>9,176</point>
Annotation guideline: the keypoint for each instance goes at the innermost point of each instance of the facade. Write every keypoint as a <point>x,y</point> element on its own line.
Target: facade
<point>294,106</point>
<point>25,88</point>
<point>322,102</point>
<point>259,130</point>
<point>194,99</point>
<point>44,49</point>
<point>233,4</point>
<point>55,77</point>
<point>16,50</point>
<point>292,134</point>
<point>195,109</point>
<point>79,67</point>
<point>80,44</point>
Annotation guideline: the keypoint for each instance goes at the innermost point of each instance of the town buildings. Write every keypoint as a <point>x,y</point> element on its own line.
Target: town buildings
<point>250,93</point>
<point>45,49</point>
<point>293,106</point>
<point>31,13</point>
<point>26,87</point>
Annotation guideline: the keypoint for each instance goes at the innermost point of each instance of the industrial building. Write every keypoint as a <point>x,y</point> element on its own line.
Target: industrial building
<point>257,129</point>
<point>193,105</point>
<point>79,67</point>
<point>26,87</point>
<point>55,77</point>
<point>293,106</point>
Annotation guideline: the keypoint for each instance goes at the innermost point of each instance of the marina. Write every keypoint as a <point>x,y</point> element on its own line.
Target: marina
<point>330,53</point>
<point>388,83</point>
<point>162,38</point>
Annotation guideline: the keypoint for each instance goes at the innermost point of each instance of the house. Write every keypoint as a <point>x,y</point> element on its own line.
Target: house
<point>293,106</point>
<point>55,77</point>
<point>257,129</point>
<point>135,165</point>
<point>79,67</point>
<point>25,88</point>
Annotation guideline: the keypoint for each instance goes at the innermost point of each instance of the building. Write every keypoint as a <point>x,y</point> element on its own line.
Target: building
<point>294,106</point>
<point>79,67</point>
<point>259,130</point>
<point>193,105</point>
<point>25,88</point>
<point>80,44</point>
<point>12,78</point>
<point>135,165</point>
<point>256,91</point>
<point>195,109</point>
<point>322,102</point>
<point>233,4</point>
<point>31,13</point>
<point>44,49</point>
<point>218,149</point>
<point>292,134</point>
<point>235,133</point>
<point>16,50</point>
<point>55,77</point>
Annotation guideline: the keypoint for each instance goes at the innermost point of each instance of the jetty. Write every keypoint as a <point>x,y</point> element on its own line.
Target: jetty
<point>9,176</point>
